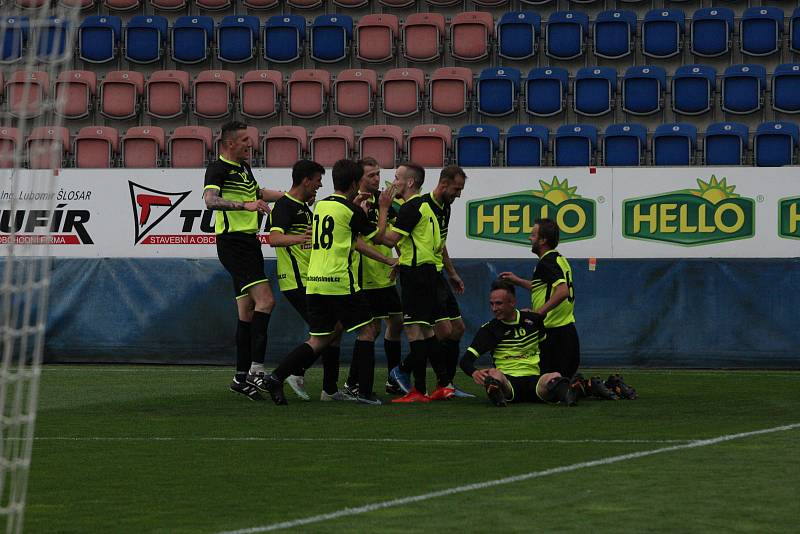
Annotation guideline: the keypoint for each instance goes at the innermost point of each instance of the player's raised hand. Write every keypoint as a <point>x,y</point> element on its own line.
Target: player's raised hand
<point>387,196</point>
<point>510,277</point>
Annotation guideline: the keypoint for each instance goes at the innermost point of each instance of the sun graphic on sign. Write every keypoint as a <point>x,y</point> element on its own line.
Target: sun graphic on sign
<point>556,192</point>
<point>714,191</point>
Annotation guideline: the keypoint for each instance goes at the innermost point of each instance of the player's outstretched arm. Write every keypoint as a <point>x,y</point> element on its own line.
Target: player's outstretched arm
<point>467,365</point>
<point>279,239</point>
<point>269,195</point>
<point>516,280</point>
<point>215,202</point>
<point>373,254</point>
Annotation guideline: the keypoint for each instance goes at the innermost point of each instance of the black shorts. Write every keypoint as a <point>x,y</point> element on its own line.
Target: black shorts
<point>560,351</point>
<point>423,299</point>
<point>524,389</point>
<point>449,310</point>
<point>241,256</point>
<point>297,298</point>
<point>324,311</point>
<point>383,302</point>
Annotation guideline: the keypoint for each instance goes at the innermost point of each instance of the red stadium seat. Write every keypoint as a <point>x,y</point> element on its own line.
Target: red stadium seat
<point>260,4</point>
<point>490,3</point>
<point>10,139</point>
<point>213,5</point>
<point>329,144</point>
<point>284,145</point>
<point>96,147</point>
<point>429,144</point>
<point>31,4</point>
<point>450,91</point>
<point>375,37</point>
<point>443,3</point>
<point>142,147</point>
<point>168,5</point>
<point>189,147</point>
<point>166,93</point>
<point>48,147</point>
<point>122,5</point>
<point>422,35</point>
<point>255,146</point>
<point>26,92</point>
<point>397,3</point>
<point>354,92</point>
<point>470,35</point>
<point>213,92</point>
<point>308,91</point>
<point>383,142</point>
<point>260,93</point>
<point>351,3</point>
<point>305,4</point>
<point>402,91</point>
<point>80,4</point>
<point>75,91</point>
<point>120,93</point>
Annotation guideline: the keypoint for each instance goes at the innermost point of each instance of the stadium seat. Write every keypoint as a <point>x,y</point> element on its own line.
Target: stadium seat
<point>166,93</point>
<point>674,144</point>
<point>48,147</point>
<point>142,147</point>
<point>122,5</point>
<point>305,4</point>
<point>402,92</point>
<point>284,38</point>
<point>329,144</point>
<point>450,91</point>
<point>443,3</point>
<point>517,34</point>
<point>376,37</point>
<point>536,2</point>
<point>307,93</point>
<point>351,4</point>
<point>743,88</point>
<point>490,3</point>
<point>498,91</point>
<point>526,145</point>
<point>145,38</point>
<point>574,145</point>
<point>662,33</point>
<point>761,31</point>
<point>260,93</point>
<point>77,4</point>
<point>213,92</point>
<point>120,92</point>
<point>624,145</point>
<point>614,33</point>
<point>594,90</point>
<point>284,145</point>
<point>10,139</point>
<point>169,5</point>
<point>237,38</point>
<point>725,143</point>
<point>192,37</point>
<point>75,92</point>
<point>98,38</point>
<point>786,88</point>
<point>429,145</point>
<point>712,31</point>
<point>13,38</point>
<point>26,92</point>
<point>565,34</point>
<point>774,144</point>
<point>354,92</point>
<point>260,4</point>
<point>189,147</point>
<point>330,38</point>
<point>477,145</point>
<point>30,4</point>
<point>643,90</point>
<point>214,5</point>
<point>546,91</point>
<point>52,40</point>
<point>384,142</point>
<point>794,31</point>
<point>96,147</point>
<point>397,3</point>
<point>471,35</point>
<point>693,88</point>
<point>423,36</point>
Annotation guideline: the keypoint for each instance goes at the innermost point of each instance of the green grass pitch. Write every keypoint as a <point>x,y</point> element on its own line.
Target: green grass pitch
<point>170,449</point>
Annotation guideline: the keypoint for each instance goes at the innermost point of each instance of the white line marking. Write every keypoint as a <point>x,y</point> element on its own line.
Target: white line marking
<point>344,512</point>
<point>355,440</point>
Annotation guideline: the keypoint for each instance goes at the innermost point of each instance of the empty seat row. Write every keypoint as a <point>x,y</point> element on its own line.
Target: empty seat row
<point>219,5</point>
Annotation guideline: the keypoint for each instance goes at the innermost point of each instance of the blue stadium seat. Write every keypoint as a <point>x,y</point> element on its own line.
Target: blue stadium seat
<point>725,143</point>
<point>774,144</point>
<point>284,38</point>
<point>574,145</point>
<point>477,145</point>
<point>614,33</point>
<point>712,30</point>
<point>674,144</point>
<point>594,90</point>
<point>565,34</point>
<point>743,88</point>
<point>517,34</point>
<point>786,88</point>
<point>794,31</point>
<point>237,38</point>
<point>192,37</point>
<point>662,33</point>
<point>760,31</point>
<point>546,91</point>
<point>526,145</point>
<point>52,43</point>
<point>498,89</point>
<point>145,38</point>
<point>98,38</point>
<point>643,89</point>
<point>13,38</point>
<point>624,145</point>
<point>330,37</point>
<point>693,87</point>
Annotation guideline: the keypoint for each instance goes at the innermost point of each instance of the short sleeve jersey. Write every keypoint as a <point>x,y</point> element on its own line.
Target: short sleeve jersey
<point>418,225</point>
<point>514,345</point>
<point>234,181</point>
<point>442,213</point>
<point>551,271</point>
<point>291,217</point>
<point>336,225</point>
<point>374,274</point>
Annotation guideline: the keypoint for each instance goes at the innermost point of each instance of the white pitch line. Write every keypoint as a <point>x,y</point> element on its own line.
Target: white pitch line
<point>344,512</point>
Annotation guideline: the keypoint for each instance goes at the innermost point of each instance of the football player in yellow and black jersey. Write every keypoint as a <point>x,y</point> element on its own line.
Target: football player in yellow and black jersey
<point>233,193</point>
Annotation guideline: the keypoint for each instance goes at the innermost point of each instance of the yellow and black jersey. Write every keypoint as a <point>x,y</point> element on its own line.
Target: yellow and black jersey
<point>418,225</point>
<point>514,345</point>
<point>291,217</point>
<point>552,270</point>
<point>234,181</point>
<point>442,213</point>
<point>374,274</point>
